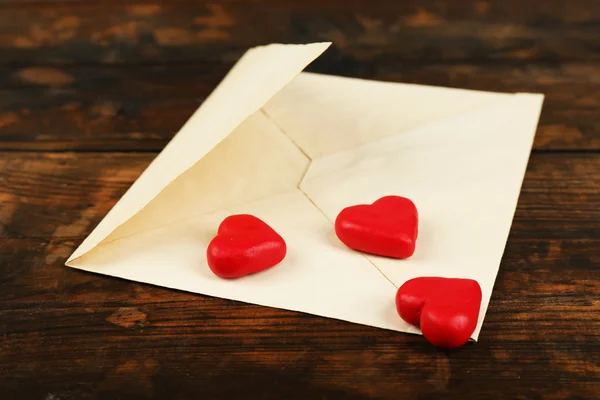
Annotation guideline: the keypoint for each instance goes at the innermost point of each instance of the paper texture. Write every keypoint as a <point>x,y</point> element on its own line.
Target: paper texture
<point>294,149</point>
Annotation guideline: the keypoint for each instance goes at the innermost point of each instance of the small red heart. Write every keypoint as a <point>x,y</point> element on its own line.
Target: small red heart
<point>244,245</point>
<point>446,309</point>
<point>388,227</point>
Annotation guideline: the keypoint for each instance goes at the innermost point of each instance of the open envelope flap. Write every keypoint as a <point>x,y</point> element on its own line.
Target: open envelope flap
<point>256,77</point>
<point>324,114</point>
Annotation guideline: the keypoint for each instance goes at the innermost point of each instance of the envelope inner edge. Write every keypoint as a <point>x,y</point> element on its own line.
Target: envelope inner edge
<point>269,126</point>
<point>282,131</point>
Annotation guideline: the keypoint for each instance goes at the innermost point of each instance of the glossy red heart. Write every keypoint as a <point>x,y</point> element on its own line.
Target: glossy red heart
<point>388,227</point>
<point>446,309</point>
<point>244,245</point>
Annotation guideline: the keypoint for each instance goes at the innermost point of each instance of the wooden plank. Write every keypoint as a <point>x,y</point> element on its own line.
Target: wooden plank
<point>140,107</point>
<point>96,108</point>
<point>62,195</point>
<point>74,334</point>
<point>432,30</point>
<point>67,194</point>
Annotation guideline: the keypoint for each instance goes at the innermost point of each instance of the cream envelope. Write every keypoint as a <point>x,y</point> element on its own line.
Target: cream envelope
<point>294,149</point>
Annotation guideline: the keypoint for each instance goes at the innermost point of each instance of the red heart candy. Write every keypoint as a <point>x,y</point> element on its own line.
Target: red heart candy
<point>244,245</point>
<point>388,227</point>
<point>446,309</point>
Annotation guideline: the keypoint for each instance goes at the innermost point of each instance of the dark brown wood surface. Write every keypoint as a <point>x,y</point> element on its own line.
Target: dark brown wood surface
<point>92,90</point>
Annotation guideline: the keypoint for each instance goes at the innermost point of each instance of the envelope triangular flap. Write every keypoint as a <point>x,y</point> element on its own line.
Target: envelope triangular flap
<point>324,114</point>
<point>257,76</point>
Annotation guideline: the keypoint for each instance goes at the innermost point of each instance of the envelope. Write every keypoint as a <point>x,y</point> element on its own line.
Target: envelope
<point>294,149</point>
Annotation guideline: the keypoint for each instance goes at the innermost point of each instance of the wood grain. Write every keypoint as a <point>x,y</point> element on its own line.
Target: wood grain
<point>140,108</point>
<point>432,30</point>
<point>67,194</point>
<point>62,195</point>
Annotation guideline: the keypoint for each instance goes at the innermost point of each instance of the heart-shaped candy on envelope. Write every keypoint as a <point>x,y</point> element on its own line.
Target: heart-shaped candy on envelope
<point>244,245</point>
<point>388,227</point>
<point>446,309</point>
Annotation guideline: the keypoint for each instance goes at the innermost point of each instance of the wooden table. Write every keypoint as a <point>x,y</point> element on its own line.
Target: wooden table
<point>91,91</point>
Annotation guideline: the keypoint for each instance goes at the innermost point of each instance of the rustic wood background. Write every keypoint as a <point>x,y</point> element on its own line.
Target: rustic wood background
<point>90,92</point>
